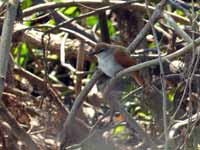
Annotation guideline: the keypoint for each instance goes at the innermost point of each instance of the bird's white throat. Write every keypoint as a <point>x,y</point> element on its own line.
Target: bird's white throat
<point>107,63</point>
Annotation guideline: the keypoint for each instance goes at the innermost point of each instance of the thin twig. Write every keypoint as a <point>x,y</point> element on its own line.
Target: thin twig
<point>54,5</point>
<point>181,123</point>
<point>4,54</point>
<point>77,28</point>
<point>135,7</point>
<point>178,53</point>
<point>135,68</point>
<point>133,125</point>
<point>178,30</point>
<point>80,67</point>
<point>163,82</point>
<point>53,46</point>
<point>39,82</point>
<point>62,59</point>
<point>154,18</point>
<point>91,134</point>
<point>62,55</point>
<point>183,5</point>
<point>195,57</point>
<point>132,93</point>
<point>89,14</point>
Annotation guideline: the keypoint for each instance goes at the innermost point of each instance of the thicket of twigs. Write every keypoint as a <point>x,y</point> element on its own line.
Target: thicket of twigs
<point>53,97</point>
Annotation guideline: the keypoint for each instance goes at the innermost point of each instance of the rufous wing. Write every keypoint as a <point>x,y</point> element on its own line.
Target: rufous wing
<point>125,60</point>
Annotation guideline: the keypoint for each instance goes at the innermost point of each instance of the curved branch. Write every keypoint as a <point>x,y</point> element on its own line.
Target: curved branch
<point>54,5</point>
<point>156,61</point>
<point>78,102</point>
<point>136,7</point>
<point>128,70</point>
<point>182,123</point>
<point>96,11</point>
<point>154,18</point>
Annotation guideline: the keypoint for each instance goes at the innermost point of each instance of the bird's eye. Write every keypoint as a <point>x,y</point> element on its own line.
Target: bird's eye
<point>101,50</point>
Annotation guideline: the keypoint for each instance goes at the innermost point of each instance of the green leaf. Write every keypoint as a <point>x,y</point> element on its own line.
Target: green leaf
<point>119,129</point>
<point>21,54</point>
<point>25,4</point>
<point>180,12</point>
<point>111,28</point>
<point>171,94</point>
<point>152,45</point>
<point>72,11</point>
<point>24,49</point>
<point>52,22</point>
<point>15,51</point>
<point>27,23</point>
<point>21,61</point>
<point>91,21</point>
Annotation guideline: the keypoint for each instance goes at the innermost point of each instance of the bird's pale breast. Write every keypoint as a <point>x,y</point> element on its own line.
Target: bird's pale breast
<point>108,64</point>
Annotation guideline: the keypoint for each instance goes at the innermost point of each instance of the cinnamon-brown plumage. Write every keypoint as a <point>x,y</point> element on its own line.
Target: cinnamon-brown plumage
<point>113,58</point>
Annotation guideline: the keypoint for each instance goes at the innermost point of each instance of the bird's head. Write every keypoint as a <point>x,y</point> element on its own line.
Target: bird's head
<point>100,48</point>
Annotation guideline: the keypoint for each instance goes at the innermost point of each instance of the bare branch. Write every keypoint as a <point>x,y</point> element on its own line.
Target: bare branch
<point>4,54</point>
<point>154,18</point>
<point>163,82</point>
<point>155,61</point>
<point>79,100</point>
<point>178,30</point>
<point>90,13</point>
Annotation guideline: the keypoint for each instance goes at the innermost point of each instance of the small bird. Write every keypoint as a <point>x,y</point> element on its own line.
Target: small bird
<point>114,58</point>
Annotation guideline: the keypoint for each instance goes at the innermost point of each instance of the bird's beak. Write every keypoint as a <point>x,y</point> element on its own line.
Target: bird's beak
<point>92,53</point>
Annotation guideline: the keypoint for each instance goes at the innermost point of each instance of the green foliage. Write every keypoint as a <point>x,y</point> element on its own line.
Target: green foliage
<point>171,94</point>
<point>64,81</point>
<point>52,22</point>
<point>180,12</point>
<point>91,21</point>
<point>25,4</point>
<point>178,89</point>
<point>72,11</point>
<point>112,30</point>
<point>152,45</point>
<point>119,129</point>
<point>21,54</point>
<point>29,22</point>
<point>133,105</point>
